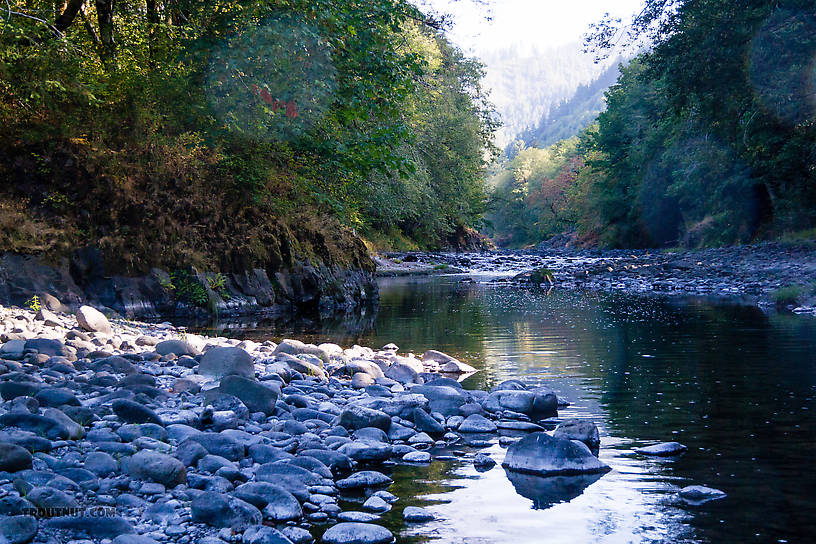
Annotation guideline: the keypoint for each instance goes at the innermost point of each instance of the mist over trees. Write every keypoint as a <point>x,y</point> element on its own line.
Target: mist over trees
<point>527,83</point>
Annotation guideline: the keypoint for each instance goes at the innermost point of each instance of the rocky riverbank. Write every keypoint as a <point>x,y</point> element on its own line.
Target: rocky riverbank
<point>300,287</point>
<point>773,274</point>
<point>173,437</point>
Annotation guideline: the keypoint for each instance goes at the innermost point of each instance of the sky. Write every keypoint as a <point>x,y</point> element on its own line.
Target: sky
<point>543,23</point>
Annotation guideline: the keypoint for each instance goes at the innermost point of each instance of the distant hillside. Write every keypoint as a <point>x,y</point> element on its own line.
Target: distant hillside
<point>528,83</point>
<point>573,115</point>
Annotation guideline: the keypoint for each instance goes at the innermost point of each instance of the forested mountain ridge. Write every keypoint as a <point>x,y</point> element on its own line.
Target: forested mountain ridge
<point>528,83</point>
<point>573,115</point>
<point>709,138</point>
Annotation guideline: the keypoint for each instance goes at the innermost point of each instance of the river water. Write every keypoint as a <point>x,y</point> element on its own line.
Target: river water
<point>733,383</point>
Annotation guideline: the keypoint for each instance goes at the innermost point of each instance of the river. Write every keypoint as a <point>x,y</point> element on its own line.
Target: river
<point>732,382</point>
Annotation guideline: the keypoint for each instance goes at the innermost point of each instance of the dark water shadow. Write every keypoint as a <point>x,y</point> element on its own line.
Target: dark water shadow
<point>548,491</point>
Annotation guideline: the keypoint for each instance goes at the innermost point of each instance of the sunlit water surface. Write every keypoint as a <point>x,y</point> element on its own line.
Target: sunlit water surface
<point>731,382</point>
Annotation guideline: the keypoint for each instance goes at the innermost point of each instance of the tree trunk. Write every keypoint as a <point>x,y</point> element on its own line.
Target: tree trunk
<point>67,17</point>
<point>152,13</point>
<point>104,13</point>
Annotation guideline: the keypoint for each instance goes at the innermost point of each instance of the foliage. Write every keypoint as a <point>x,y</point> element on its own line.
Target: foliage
<point>218,283</point>
<point>188,288</point>
<point>692,152</point>
<point>250,111</point>
<point>791,294</point>
<point>531,198</point>
<point>34,304</point>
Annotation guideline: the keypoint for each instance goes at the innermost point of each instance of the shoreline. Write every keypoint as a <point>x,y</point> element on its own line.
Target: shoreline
<point>770,274</point>
<point>193,438</point>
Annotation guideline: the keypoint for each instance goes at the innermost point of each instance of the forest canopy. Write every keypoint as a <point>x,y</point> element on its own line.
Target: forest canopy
<point>119,116</point>
<point>708,138</point>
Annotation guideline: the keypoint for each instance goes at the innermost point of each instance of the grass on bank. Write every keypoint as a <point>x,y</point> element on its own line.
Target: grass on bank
<point>793,295</point>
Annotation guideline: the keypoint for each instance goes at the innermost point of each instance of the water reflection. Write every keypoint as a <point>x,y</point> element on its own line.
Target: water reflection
<point>734,384</point>
<point>545,492</point>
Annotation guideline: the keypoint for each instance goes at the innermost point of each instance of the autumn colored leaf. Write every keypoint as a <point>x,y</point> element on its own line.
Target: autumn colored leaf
<point>291,110</point>
<point>266,96</point>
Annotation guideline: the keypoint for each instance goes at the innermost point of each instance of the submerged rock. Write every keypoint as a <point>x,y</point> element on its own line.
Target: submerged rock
<point>544,455</point>
<point>415,514</point>
<point>699,494</point>
<point>664,449</point>
<point>357,533</point>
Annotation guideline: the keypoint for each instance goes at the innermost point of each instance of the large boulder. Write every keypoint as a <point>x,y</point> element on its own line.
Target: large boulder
<point>14,458</point>
<point>277,503</point>
<point>337,462</point>
<point>425,423</point>
<point>294,479</point>
<point>357,417</point>
<point>545,455</point>
<point>175,347</point>
<point>93,320</point>
<point>157,467</point>
<point>402,373</point>
<point>545,403</point>
<point>256,396</point>
<point>296,347</point>
<point>75,430</point>
<point>516,401</point>
<point>442,398</point>
<point>356,366</point>
<point>50,499</point>
<point>401,405</point>
<point>133,412</point>
<point>364,479</point>
<point>582,430</point>
<point>47,346</point>
<point>303,365</point>
<point>476,423</point>
<point>220,444</point>
<point>220,510</point>
<point>10,390</point>
<point>540,403</point>
<point>40,425</point>
<point>220,361</point>
<point>17,529</point>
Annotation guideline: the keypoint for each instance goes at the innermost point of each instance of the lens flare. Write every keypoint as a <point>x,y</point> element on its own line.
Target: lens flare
<point>783,66</point>
<point>273,80</point>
